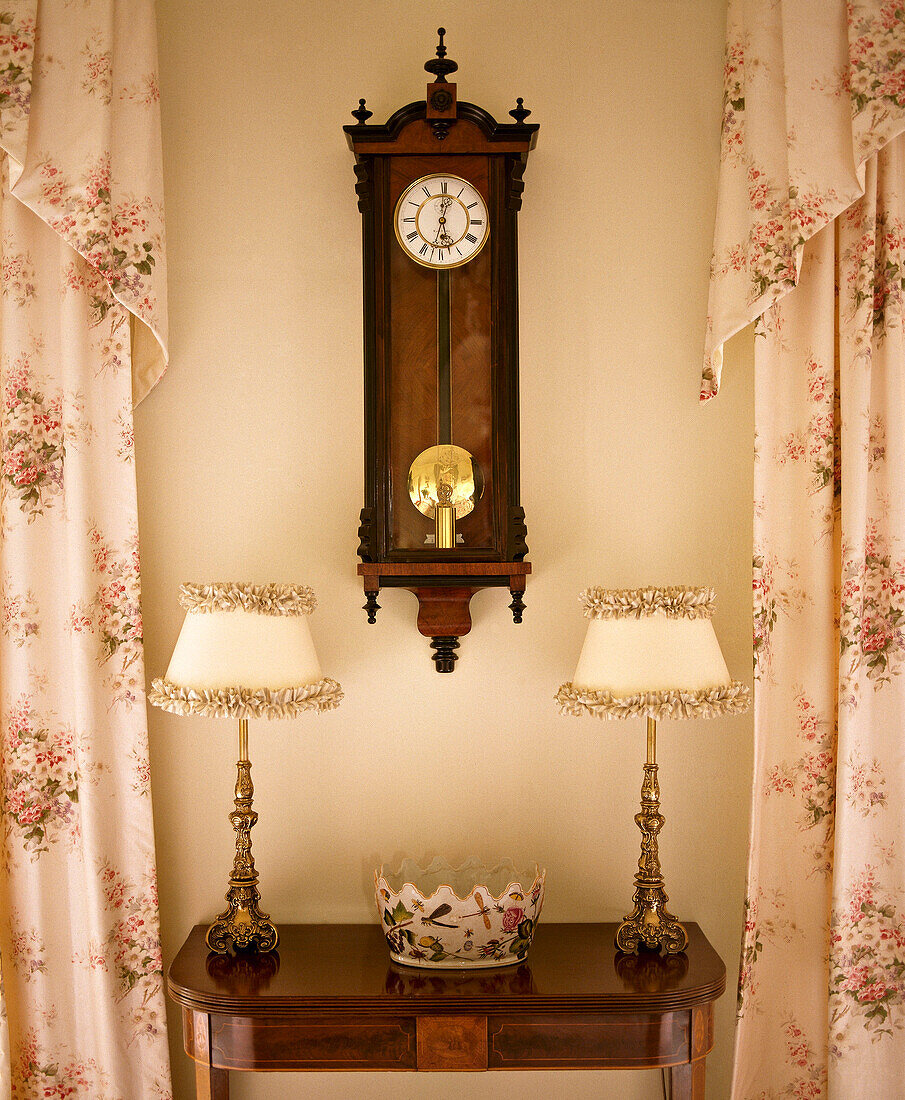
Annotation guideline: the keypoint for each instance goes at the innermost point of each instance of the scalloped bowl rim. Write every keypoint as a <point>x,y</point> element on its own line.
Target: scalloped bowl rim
<point>537,875</point>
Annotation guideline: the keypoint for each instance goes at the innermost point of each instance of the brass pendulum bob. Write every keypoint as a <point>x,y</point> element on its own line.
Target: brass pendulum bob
<point>650,924</point>
<point>242,923</point>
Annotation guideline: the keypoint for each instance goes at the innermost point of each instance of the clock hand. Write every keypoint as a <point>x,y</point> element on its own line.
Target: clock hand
<point>442,239</point>
<point>443,204</point>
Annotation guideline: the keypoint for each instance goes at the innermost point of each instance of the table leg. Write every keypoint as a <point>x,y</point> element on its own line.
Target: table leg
<point>211,1083</point>
<point>686,1082</point>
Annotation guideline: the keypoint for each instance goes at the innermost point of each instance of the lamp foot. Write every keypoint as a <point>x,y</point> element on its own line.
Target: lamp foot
<point>650,925</point>
<point>242,926</point>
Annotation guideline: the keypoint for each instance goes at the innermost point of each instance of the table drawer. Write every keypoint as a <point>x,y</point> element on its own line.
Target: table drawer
<point>573,1041</point>
<point>238,1042</point>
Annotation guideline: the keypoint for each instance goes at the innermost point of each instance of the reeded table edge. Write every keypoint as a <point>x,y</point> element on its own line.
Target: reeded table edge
<point>394,1008</point>
<point>395,1005</point>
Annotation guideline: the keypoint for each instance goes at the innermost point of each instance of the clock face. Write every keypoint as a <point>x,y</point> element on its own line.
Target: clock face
<point>441,221</point>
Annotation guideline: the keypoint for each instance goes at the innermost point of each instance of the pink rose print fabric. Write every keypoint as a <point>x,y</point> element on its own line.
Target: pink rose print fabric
<point>822,980</point>
<point>82,268</point>
<point>810,244</point>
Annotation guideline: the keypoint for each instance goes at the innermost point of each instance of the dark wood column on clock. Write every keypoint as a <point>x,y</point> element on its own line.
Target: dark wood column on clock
<point>410,316</point>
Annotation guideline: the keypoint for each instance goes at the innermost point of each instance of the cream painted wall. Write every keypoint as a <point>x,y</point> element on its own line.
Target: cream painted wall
<point>249,465</point>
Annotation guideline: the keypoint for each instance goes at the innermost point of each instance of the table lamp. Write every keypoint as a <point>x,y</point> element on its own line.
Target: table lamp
<point>653,652</point>
<point>244,651</point>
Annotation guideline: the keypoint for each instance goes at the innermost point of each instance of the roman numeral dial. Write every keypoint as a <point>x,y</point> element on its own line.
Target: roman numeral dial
<point>441,221</point>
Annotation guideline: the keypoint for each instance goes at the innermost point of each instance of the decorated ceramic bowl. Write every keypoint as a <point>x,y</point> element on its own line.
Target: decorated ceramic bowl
<point>457,917</point>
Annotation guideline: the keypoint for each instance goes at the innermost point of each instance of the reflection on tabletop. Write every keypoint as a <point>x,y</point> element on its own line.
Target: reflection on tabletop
<point>247,973</point>
<point>410,981</point>
<point>650,972</point>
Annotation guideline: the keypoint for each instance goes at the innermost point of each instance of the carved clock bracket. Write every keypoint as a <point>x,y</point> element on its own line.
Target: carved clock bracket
<point>444,613</point>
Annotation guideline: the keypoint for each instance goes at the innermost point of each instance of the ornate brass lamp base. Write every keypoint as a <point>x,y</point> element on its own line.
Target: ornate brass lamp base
<point>650,924</point>
<point>242,924</point>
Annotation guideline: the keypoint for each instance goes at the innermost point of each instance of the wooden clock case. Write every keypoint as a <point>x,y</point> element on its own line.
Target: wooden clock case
<point>441,135</point>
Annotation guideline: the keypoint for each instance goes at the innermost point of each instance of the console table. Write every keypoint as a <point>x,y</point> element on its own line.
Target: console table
<point>330,999</point>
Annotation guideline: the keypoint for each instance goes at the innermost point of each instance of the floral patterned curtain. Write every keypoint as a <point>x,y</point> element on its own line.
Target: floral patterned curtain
<point>822,987</point>
<point>811,239</point>
<point>82,331</point>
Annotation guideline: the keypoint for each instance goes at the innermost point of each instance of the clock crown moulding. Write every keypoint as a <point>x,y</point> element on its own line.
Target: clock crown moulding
<point>441,111</point>
<point>439,188</point>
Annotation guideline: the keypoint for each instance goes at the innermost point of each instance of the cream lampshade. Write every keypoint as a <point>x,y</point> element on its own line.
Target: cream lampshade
<point>244,651</point>
<point>651,652</point>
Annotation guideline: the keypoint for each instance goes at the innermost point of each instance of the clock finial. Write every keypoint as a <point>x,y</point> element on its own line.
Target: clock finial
<point>362,114</point>
<point>440,67</point>
<point>520,112</point>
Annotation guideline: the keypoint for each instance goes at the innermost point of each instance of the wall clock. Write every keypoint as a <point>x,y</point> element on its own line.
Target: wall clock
<point>439,189</point>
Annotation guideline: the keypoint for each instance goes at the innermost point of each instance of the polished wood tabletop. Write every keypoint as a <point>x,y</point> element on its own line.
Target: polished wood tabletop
<point>346,966</point>
<point>330,998</point>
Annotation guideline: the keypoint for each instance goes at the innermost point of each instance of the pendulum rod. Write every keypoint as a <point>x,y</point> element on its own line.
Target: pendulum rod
<point>444,380</point>
<point>444,513</point>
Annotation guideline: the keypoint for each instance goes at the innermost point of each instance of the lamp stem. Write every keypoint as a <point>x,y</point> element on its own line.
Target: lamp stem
<point>242,924</point>
<point>650,924</point>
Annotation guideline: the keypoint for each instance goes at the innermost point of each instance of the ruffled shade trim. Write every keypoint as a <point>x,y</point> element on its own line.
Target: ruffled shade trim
<point>263,599</point>
<point>733,698</point>
<point>677,602</point>
<point>243,703</point>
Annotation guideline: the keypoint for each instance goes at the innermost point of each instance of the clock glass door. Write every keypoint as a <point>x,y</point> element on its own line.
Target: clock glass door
<point>440,387</point>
